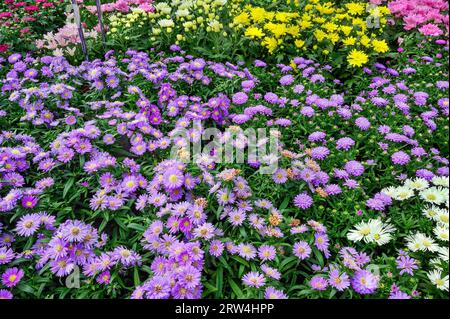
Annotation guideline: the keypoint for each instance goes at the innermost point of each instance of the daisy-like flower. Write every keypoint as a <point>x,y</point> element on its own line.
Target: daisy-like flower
<point>435,276</point>
<point>442,217</point>
<point>302,250</point>
<point>6,255</point>
<point>441,181</point>
<point>272,293</point>
<point>247,251</point>
<point>173,179</point>
<point>236,217</point>
<point>5,294</point>
<point>364,282</point>
<point>373,231</point>
<point>254,279</point>
<point>29,201</point>
<point>417,184</point>
<point>402,193</point>
<point>266,252</point>
<point>318,283</point>
<point>434,195</point>
<point>271,272</point>
<point>441,233</point>
<point>431,212</point>
<point>12,276</point>
<point>74,231</point>
<point>205,231</point>
<point>421,242</point>
<point>216,248</point>
<point>338,280</point>
<point>28,225</point>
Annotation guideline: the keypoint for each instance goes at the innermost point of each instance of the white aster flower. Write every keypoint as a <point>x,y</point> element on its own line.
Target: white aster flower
<point>434,195</point>
<point>361,231</point>
<point>373,231</point>
<point>442,217</point>
<point>431,212</point>
<point>421,242</point>
<point>402,193</point>
<point>436,278</point>
<point>443,253</point>
<point>441,181</point>
<point>389,191</point>
<point>380,233</point>
<point>417,184</point>
<point>441,233</point>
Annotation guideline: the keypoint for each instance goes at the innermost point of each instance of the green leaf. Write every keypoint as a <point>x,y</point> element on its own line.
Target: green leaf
<point>68,186</point>
<point>137,280</point>
<point>237,291</point>
<point>26,288</point>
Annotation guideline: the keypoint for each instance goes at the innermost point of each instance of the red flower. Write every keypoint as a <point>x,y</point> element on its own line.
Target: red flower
<point>6,14</point>
<point>32,8</point>
<point>4,48</point>
<point>47,4</point>
<point>25,30</point>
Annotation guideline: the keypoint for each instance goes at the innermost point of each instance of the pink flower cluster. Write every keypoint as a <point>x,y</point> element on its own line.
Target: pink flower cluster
<point>425,15</point>
<point>123,6</point>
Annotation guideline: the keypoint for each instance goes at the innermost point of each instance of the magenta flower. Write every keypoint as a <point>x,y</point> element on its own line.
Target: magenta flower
<point>12,276</point>
<point>29,201</point>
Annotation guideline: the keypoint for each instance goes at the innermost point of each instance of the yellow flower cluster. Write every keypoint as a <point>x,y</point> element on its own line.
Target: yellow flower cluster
<point>314,24</point>
<point>175,18</point>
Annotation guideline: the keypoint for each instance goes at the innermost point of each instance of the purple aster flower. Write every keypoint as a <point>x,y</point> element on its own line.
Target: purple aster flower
<point>247,251</point>
<point>6,255</point>
<point>338,281</point>
<point>271,272</point>
<point>29,201</point>
<point>28,225</point>
<point>272,293</point>
<point>5,294</point>
<point>240,98</point>
<point>375,204</point>
<point>173,179</point>
<point>157,288</point>
<point>104,278</point>
<point>302,250</point>
<point>320,152</point>
<point>318,283</point>
<point>332,189</point>
<point>400,158</point>
<point>344,143</point>
<point>286,80</point>
<point>12,276</point>
<point>254,279</point>
<point>266,252</point>
<point>354,168</point>
<point>280,176</point>
<point>216,248</point>
<point>406,264</point>
<point>399,295</point>
<point>364,282</point>
<point>271,98</point>
<point>303,201</point>
<point>362,123</point>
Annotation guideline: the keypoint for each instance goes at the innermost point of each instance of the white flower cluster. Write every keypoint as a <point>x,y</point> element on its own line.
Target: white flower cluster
<point>436,197</point>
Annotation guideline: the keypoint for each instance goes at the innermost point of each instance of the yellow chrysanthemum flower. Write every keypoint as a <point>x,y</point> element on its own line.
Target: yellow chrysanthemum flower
<point>380,46</point>
<point>254,32</point>
<point>357,58</point>
<point>355,8</point>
